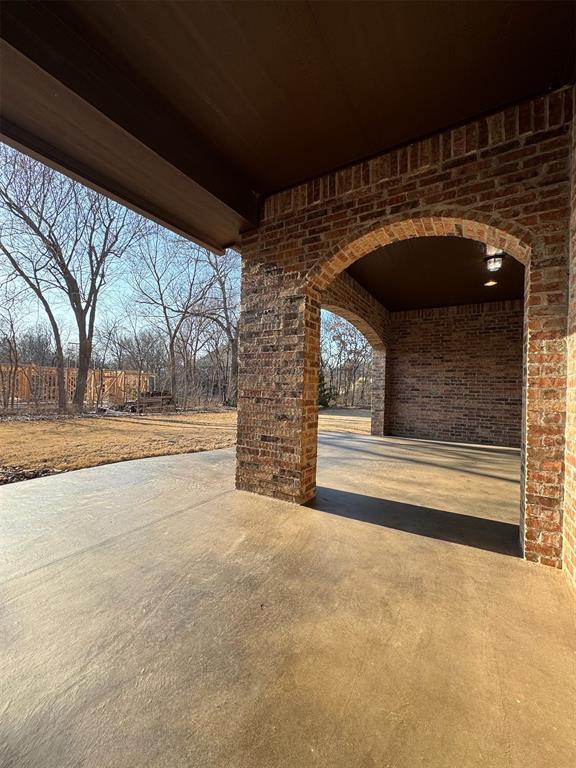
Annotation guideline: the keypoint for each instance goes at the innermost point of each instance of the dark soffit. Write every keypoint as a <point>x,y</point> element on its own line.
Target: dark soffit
<point>243,99</point>
<point>435,272</point>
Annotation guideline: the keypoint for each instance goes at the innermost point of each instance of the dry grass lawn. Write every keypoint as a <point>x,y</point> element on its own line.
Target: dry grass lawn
<point>86,442</point>
<point>355,420</point>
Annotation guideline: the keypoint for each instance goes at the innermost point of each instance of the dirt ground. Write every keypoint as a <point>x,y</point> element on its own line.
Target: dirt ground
<point>31,448</point>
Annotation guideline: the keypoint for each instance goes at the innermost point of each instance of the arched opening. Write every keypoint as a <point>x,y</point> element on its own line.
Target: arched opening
<point>363,349</point>
<point>346,363</point>
<point>488,229</point>
<point>464,385</point>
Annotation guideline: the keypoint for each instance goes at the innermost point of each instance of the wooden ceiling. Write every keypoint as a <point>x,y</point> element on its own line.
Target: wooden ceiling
<point>436,272</point>
<point>192,112</point>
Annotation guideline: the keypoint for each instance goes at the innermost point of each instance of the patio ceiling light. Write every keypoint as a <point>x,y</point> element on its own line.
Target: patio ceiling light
<point>493,258</point>
<point>490,283</point>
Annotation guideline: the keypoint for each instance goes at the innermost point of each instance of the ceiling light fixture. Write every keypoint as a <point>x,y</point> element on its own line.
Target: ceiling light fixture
<point>494,258</point>
<point>490,283</point>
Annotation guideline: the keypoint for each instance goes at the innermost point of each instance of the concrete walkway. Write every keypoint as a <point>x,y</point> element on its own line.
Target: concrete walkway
<point>153,616</point>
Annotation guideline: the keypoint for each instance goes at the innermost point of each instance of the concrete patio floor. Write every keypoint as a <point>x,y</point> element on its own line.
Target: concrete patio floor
<point>154,616</point>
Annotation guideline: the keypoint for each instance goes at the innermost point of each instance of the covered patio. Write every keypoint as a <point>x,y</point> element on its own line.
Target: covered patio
<point>379,600</point>
<point>334,145</point>
<point>155,616</point>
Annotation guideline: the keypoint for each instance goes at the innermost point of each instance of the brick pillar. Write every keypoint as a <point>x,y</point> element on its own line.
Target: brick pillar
<point>543,443</point>
<point>378,389</point>
<point>279,351</point>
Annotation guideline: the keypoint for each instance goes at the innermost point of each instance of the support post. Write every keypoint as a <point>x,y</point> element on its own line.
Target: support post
<point>378,391</point>
<point>541,523</point>
<point>277,385</point>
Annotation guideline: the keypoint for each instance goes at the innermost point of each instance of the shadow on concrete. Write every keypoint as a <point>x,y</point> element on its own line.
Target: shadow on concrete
<point>478,532</point>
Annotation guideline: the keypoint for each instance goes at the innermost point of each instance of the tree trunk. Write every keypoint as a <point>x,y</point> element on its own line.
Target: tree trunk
<point>15,361</point>
<point>5,388</point>
<point>139,393</point>
<point>60,363</point>
<point>232,393</point>
<point>173,381</point>
<point>60,366</point>
<point>60,377</point>
<point>84,355</point>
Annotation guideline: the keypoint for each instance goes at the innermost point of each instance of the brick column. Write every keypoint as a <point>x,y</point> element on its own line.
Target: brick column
<point>543,481</point>
<point>378,390</point>
<point>279,350</point>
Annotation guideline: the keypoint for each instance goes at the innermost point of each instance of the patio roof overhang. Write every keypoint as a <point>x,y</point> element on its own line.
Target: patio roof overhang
<point>191,112</point>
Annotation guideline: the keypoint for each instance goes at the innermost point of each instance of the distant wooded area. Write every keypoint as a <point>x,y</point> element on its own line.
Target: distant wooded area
<point>90,286</point>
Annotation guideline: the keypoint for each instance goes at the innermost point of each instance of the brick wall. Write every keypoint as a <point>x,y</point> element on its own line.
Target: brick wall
<point>569,548</point>
<point>508,171</point>
<point>455,373</point>
<point>503,180</point>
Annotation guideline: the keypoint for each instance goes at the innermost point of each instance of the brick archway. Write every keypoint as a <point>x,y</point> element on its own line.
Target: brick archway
<point>488,229</point>
<point>501,180</point>
<point>540,514</point>
<point>345,297</point>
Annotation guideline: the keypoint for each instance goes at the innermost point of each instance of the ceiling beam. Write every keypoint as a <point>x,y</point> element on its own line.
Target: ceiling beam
<point>121,98</point>
<point>30,144</point>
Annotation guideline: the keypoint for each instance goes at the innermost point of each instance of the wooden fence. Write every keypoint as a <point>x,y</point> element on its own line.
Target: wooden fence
<point>33,384</point>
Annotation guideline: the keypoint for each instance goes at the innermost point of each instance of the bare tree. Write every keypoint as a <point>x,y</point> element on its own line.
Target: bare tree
<point>137,349</point>
<point>223,309</point>
<point>9,345</point>
<point>192,343</point>
<point>60,239</point>
<point>346,358</point>
<point>36,345</point>
<point>103,348</point>
<point>171,284</point>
